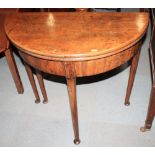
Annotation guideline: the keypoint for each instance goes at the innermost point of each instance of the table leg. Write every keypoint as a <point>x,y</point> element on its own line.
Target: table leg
<point>151,112</point>
<point>71,83</point>
<point>32,81</point>
<point>42,86</point>
<point>133,69</point>
<point>14,71</point>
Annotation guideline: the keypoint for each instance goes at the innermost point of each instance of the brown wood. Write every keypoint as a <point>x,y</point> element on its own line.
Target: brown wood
<point>42,86</point>
<point>32,82</point>
<point>3,40</point>
<point>82,68</point>
<point>4,43</point>
<point>5,48</point>
<point>152,52</point>
<point>14,71</point>
<point>55,36</point>
<point>134,64</point>
<point>71,83</point>
<point>151,108</point>
<point>152,45</point>
<point>78,44</point>
<point>151,111</point>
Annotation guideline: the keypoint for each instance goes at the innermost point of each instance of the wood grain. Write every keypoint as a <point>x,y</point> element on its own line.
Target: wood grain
<point>82,68</point>
<point>73,36</point>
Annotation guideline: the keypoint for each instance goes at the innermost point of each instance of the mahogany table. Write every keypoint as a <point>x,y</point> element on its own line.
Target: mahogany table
<point>77,45</point>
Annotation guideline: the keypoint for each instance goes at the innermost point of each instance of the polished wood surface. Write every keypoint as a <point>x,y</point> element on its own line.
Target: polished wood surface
<point>77,44</point>
<point>88,35</point>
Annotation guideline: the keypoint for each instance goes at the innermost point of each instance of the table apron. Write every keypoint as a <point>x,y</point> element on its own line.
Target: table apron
<point>81,68</point>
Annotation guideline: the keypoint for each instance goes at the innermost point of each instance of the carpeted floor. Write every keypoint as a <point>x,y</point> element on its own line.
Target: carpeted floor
<point>103,118</point>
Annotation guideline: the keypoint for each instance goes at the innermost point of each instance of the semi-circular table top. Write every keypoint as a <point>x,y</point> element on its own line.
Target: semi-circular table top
<point>77,35</point>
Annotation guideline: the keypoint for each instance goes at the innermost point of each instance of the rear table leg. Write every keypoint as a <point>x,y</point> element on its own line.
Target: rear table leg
<point>42,86</point>
<point>32,81</point>
<point>151,112</point>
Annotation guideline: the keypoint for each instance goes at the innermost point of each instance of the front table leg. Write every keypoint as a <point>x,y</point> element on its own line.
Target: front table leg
<point>71,84</point>
<point>133,69</point>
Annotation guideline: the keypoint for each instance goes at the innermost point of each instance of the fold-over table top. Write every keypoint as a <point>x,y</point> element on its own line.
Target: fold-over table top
<point>77,35</point>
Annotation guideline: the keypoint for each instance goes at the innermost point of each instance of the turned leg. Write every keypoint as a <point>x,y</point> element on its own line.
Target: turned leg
<point>42,86</point>
<point>133,69</point>
<point>32,81</point>
<point>71,83</point>
<point>151,112</point>
<point>14,71</point>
